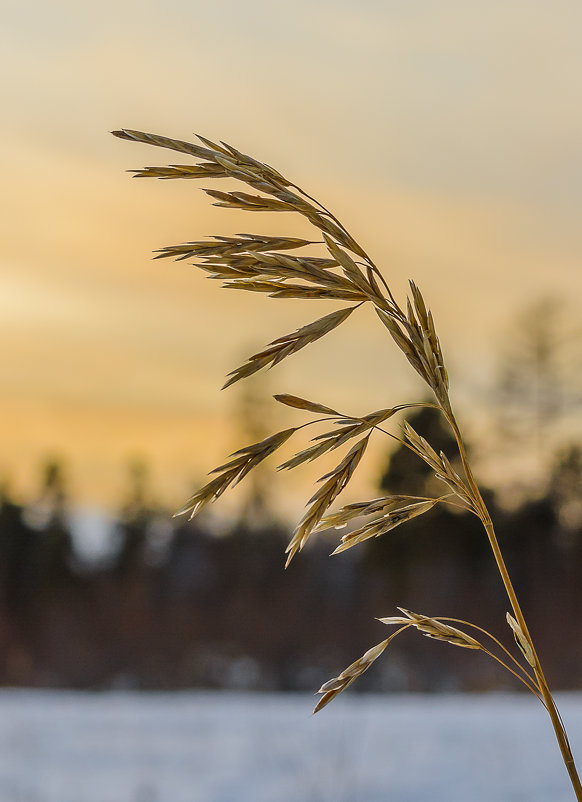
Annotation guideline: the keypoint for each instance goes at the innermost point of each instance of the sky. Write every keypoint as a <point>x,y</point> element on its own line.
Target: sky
<point>445,135</point>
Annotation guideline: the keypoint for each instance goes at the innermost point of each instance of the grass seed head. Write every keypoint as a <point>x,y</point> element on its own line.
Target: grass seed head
<point>433,628</point>
<point>521,640</point>
<point>338,684</point>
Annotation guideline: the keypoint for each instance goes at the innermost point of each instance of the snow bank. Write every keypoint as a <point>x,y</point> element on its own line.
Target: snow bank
<point>219,747</point>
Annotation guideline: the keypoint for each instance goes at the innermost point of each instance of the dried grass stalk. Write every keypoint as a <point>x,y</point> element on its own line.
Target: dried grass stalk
<point>343,272</point>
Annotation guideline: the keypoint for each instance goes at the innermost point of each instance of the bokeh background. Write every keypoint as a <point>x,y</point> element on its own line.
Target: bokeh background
<point>446,135</point>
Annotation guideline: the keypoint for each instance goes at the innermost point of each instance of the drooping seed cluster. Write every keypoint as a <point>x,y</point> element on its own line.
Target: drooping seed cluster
<point>333,687</point>
<point>341,270</point>
<point>389,519</point>
<point>433,628</point>
<point>266,264</point>
<point>231,473</point>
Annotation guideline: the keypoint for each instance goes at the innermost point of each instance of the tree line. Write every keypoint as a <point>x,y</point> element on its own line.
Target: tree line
<point>176,605</point>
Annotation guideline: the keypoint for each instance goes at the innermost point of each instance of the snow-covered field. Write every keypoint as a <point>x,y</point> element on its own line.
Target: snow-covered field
<point>219,747</point>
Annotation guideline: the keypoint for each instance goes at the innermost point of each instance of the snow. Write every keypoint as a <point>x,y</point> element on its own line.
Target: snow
<point>224,747</point>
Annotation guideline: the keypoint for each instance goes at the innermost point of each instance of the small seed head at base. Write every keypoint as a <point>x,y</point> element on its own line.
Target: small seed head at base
<point>333,687</point>
<point>521,640</point>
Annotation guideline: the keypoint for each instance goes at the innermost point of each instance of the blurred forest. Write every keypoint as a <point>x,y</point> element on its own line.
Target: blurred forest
<point>177,604</point>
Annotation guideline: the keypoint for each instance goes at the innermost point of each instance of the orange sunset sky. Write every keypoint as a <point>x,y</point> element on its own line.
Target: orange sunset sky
<point>446,136</point>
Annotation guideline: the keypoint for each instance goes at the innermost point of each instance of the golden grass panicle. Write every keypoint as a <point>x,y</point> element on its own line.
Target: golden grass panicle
<point>338,684</point>
<point>337,479</point>
<point>232,472</point>
<point>302,403</point>
<point>204,170</point>
<point>230,246</point>
<point>339,519</point>
<point>341,271</point>
<point>381,526</point>
<point>347,428</point>
<point>441,465</point>
<point>433,628</point>
<point>289,344</point>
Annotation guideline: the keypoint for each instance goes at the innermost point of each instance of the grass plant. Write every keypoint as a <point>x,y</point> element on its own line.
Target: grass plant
<point>334,266</point>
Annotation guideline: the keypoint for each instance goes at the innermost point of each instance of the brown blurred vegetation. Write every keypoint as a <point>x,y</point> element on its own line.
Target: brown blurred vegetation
<point>178,604</point>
